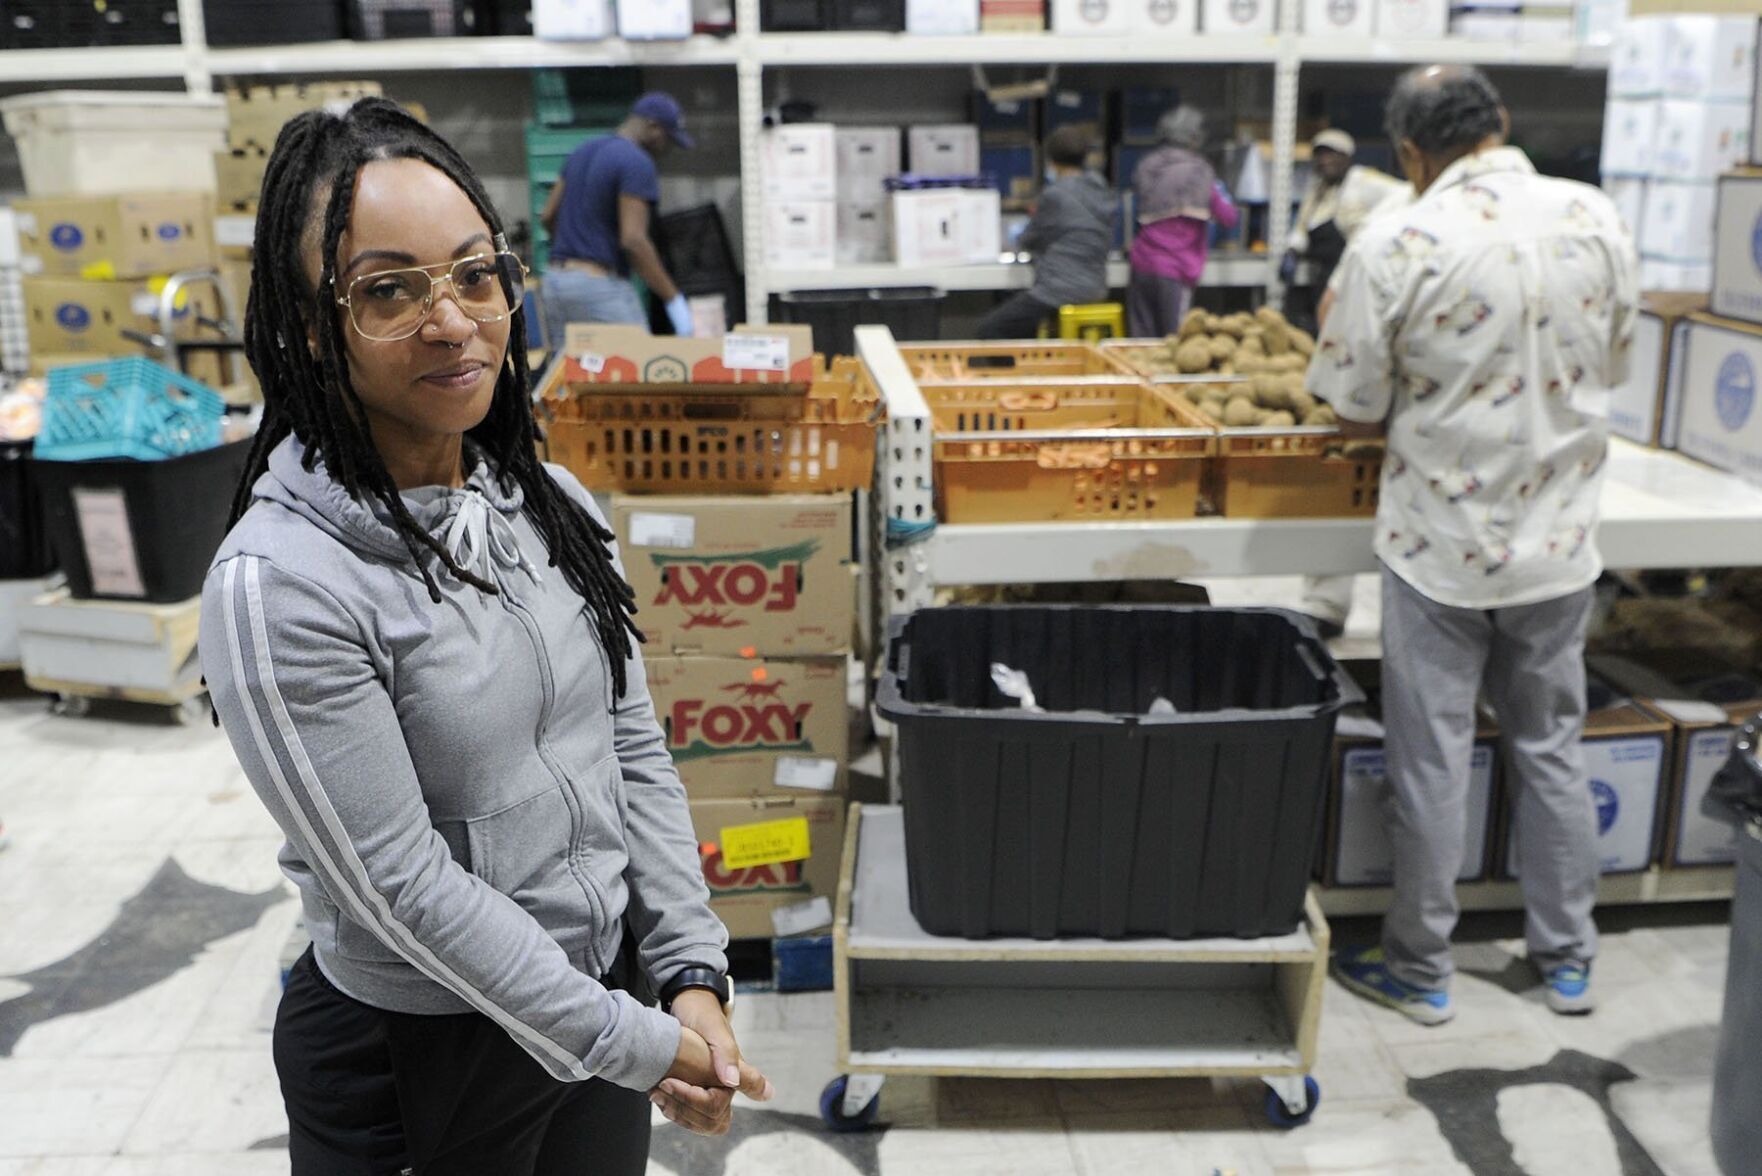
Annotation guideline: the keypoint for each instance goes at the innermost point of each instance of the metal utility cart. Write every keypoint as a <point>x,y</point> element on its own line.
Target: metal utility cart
<point>914,1003</point>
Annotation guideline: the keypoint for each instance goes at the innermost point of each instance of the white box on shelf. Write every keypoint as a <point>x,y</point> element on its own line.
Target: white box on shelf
<point>1544,30</point>
<point>943,149</point>
<point>654,20</point>
<point>865,232</point>
<point>1363,853</point>
<point>947,226</point>
<point>1700,140</point>
<point>572,20</point>
<point>943,17</point>
<point>1629,195</point>
<point>1737,256</point>
<point>801,162</point>
<point>1637,59</point>
<point>1167,17</point>
<point>1626,777</point>
<point>101,143</point>
<point>867,157</point>
<point>1093,17</point>
<point>1240,17</point>
<point>1486,25</point>
<point>1711,409</point>
<point>1700,839</point>
<point>1630,134</point>
<point>1678,221</point>
<point>1633,407</point>
<point>1658,273</point>
<point>801,234</point>
<point>1413,20</point>
<point>1339,18</point>
<point>1597,22</point>
<point>1710,57</point>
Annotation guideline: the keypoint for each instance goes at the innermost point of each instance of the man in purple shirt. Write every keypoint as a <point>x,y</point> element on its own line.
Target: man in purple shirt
<point>1177,195</point>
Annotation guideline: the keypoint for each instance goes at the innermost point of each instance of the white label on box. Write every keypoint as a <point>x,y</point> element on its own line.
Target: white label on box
<point>1625,777</point>
<point>30,264</point>
<point>1633,410</point>
<point>235,232</point>
<point>811,773</point>
<point>755,353</point>
<point>1690,710</point>
<point>1363,853</point>
<point>802,917</point>
<point>144,303</point>
<point>1714,402</point>
<point>592,361</point>
<point>108,542</point>
<point>663,530</point>
<point>1737,260</point>
<point>1701,840</point>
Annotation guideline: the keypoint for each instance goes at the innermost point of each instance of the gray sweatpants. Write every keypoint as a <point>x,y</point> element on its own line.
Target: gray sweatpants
<point>1530,661</point>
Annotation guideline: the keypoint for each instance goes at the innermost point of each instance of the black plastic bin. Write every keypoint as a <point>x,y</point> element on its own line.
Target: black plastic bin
<point>272,22</point>
<point>869,16</point>
<point>176,510</point>
<point>795,16</point>
<point>25,553</point>
<point>914,313</point>
<point>1098,818</point>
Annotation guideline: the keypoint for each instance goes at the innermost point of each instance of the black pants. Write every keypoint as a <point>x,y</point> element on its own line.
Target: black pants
<point>1017,317</point>
<point>376,1093</point>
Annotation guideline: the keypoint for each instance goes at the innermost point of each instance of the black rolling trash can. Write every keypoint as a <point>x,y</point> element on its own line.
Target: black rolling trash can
<point>25,553</point>
<point>1099,817</point>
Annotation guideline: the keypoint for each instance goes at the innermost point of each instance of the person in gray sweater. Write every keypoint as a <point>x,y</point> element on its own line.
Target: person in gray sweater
<point>418,640</point>
<point>1069,236</point>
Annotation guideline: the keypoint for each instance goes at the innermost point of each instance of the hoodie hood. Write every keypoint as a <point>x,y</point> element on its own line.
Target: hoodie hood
<point>475,522</point>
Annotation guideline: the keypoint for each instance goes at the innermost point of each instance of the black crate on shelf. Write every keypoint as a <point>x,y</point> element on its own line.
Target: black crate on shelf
<point>913,313</point>
<point>502,18</point>
<point>25,553</point>
<point>33,24</point>
<point>870,16</point>
<point>393,20</point>
<point>795,16</point>
<point>129,22</point>
<point>272,22</point>
<point>176,511</point>
<point>1097,817</point>
<point>695,246</point>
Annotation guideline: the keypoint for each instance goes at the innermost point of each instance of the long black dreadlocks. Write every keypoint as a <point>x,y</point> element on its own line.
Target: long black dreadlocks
<point>319,155</point>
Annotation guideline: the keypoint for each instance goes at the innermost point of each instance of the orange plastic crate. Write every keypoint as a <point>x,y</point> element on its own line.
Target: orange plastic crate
<point>1085,450</point>
<point>1009,360</point>
<point>1300,473</point>
<point>680,441</point>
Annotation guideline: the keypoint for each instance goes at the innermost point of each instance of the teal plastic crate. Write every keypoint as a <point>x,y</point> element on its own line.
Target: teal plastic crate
<point>563,98</point>
<point>128,408</point>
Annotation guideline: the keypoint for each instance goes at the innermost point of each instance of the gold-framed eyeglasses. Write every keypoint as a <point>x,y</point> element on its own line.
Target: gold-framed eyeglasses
<point>389,305</point>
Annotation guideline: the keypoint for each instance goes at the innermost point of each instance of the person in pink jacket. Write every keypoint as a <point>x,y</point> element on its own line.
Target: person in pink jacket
<point>1178,196</point>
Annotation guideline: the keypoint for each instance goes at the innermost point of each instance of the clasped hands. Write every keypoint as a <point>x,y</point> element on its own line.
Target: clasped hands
<point>698,1092</point>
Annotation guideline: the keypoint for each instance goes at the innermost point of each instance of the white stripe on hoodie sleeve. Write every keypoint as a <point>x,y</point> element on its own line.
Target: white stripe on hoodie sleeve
<point>318,736</point>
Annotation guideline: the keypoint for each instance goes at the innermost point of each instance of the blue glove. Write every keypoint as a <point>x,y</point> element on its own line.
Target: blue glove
<point>680,313</point>
<point>1288,267</point>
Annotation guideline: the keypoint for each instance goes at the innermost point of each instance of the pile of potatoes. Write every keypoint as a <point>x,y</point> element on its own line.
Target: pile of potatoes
<point>1267,356</point>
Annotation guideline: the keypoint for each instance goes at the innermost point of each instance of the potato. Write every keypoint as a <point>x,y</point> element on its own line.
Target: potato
<point>1302,342</point>
<point>1267,393</point>
<point>1322,414</point>
<point>1302,403</point>
<point>1194,356</point>
<point>1190,393</point>
<point>1234,325</point>
<point>1214,409</point>
<point>1240,412</point>
<point>1226,368</point>
<point>1251,365</point>
<point>1278,420</point>
<point>1197,322</point>
<point>1222,348</point>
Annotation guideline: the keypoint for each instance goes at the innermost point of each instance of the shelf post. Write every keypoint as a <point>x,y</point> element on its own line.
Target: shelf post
<point>750,76</point>
<point>1278,213</point>
<point>903,474</point>
<point>198,80</point>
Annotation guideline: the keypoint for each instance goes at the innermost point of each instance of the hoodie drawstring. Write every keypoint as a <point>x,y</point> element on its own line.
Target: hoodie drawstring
<point>479,538</point>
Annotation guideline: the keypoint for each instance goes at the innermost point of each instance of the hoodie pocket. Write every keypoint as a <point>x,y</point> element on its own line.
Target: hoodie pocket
<point>599,853</point>
<point>528,852</point>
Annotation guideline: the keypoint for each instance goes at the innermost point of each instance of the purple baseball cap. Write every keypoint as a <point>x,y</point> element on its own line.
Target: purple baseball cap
<point>664,109</point>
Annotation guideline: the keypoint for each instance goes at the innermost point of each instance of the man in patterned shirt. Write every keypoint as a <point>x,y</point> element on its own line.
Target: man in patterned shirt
<point>1482,328</point>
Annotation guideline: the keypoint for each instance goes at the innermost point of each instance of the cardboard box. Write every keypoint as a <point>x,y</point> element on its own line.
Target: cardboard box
<point>1711,405</point>
<point>741,577</point>
<point>238,177</point>
<point>73,321</point>
<point>572,20</point>
<point>1006,120</point>
<point>947,226</point>
<point>1111,18</point>
<point>1012,17</point>
<point>1339,18</point>
<point>618,353</point>
<point>1410,20</point>
<point>801,234</point>
<point>1737,262</point>
<point>1705,702</point>
<point>943,17</point>
<point>1636,409</point>
<point>1678,222</point>
<point>1638,58</point>
<point>1164,17</point>
<point>865,232</point>
<point>1629,195</point>
<point>1240,17</point>
<point>1700,140</point>
<point>738,727</point>
<point>1016,171</point>
<point>1626,751</point>
<point>1710,57</point>
<point>103,238</point>
<point>801,162</point>
<point>867,157</point>
<point>1086,109</point>
<point>256,114</point>
<point>947,149</point>
<point>1630,135</point>
<point>655,20</point>
<point>745,897</point>
<point>1660,274</point>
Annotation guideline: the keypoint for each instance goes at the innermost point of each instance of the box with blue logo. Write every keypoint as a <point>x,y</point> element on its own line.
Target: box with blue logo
<point>103,238</point>
<point>1636,409</point>
<point>1710,409</point>
<point>1013,171</point>
<point>1737,252</point>
<point>68,320</point>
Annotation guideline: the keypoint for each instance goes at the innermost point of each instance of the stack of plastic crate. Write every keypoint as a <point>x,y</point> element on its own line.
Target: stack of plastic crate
<point>14,347</point>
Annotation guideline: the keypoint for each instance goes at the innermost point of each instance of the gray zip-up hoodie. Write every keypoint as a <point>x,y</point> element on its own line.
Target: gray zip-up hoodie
<point>470,819</point>
<point>1070,236</point>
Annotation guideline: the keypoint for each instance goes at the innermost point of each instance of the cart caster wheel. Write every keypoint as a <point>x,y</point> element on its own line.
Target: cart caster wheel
<point>832,1108</point>
<point>191,711</point>
<point>1279,1115</point>
<point>71,706</point>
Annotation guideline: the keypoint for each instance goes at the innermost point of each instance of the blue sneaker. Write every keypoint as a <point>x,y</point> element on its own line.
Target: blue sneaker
<point>1569,989</point>
<point>1362,971</point>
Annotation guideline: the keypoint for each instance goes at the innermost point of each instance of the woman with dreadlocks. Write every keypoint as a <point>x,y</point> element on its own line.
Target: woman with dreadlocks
<point>420,643</point>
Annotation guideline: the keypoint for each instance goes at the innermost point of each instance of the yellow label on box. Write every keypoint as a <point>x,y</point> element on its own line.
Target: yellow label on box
<point>765,844</point>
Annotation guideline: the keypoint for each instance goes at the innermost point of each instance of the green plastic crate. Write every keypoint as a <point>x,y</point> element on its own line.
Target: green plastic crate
<point>562,98</point>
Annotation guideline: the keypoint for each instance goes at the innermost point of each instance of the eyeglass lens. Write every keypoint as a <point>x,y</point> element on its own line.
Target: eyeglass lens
<point>393,304</point>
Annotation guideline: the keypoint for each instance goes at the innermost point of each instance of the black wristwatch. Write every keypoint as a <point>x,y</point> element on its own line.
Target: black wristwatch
<point>699,976</point>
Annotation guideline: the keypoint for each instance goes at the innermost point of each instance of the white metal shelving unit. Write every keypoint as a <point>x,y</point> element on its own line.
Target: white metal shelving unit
<point>750,53</point>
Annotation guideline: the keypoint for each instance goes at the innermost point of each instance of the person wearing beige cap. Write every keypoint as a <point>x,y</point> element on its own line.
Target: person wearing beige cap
<point>1342,197</point>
